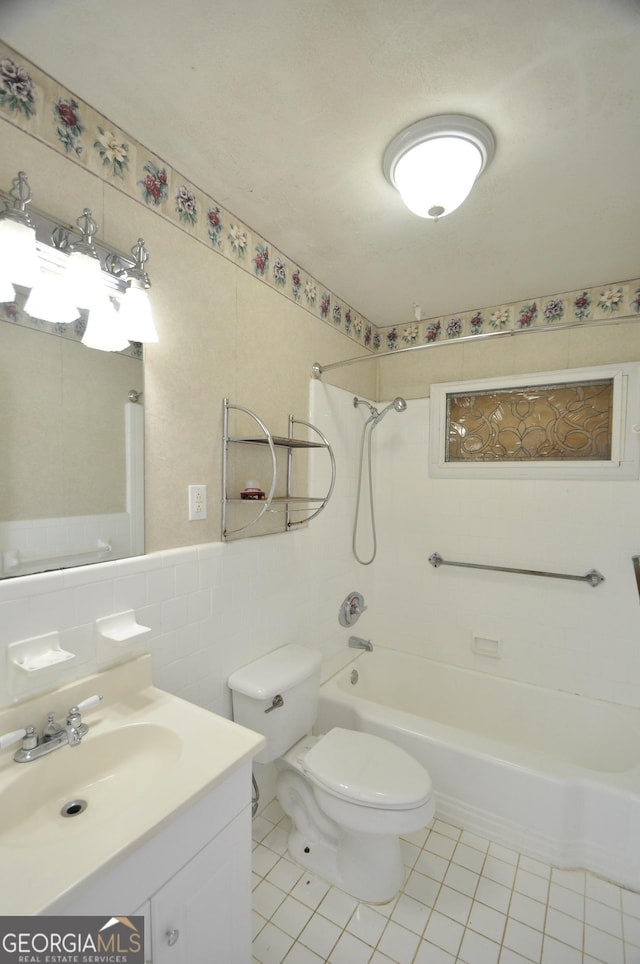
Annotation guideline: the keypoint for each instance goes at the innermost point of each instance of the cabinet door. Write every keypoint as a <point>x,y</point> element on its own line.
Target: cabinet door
<point>203,914</point>
<point>145,911</point>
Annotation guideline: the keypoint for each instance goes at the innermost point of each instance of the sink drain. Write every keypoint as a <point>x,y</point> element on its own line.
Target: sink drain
<point>73,808</point>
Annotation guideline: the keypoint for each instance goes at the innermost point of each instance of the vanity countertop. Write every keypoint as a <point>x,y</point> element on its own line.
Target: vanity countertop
<point>147,757</point>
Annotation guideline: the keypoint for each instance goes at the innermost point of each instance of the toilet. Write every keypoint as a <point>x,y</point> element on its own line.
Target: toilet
<point>350,795</point>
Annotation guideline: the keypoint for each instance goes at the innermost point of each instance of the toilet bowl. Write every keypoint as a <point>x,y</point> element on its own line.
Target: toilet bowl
<point>350,795</point>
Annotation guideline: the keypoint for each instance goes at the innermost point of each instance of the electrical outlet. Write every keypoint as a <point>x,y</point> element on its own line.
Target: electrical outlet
<point>197,502</point>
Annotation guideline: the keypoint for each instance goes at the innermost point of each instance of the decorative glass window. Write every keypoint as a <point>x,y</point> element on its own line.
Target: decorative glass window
<point>565,422</point>
<point>570,424</point>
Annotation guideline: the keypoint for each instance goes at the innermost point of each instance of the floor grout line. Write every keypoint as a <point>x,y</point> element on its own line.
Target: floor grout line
<point>454,929</point>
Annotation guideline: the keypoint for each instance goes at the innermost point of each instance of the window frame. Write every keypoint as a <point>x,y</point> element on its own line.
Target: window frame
<point>625,446</point>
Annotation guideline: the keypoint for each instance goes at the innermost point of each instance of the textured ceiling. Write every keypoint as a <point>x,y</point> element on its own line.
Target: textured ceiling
<point>281,111</point>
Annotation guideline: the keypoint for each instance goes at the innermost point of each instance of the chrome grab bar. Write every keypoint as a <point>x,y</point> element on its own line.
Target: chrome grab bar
<point>593,577</point>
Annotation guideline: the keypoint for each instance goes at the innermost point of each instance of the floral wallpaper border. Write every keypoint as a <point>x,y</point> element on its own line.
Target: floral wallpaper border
<point>34,102</point>
<point>610,302</point>
<point>37,104</point>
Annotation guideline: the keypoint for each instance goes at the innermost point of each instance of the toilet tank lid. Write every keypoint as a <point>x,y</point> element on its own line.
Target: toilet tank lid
<point>276,672</point>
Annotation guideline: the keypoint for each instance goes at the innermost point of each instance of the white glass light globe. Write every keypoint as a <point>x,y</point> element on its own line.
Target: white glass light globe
<point>135,315</point>
<point>436,176</point>
<point>18,252</point>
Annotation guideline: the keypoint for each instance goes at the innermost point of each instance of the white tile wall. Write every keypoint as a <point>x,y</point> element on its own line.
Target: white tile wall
<point>565,635</point>
<point>215,607</point>
<point>211,608</point>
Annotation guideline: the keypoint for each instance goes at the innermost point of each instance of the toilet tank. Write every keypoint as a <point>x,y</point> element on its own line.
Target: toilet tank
<point>292,673</point>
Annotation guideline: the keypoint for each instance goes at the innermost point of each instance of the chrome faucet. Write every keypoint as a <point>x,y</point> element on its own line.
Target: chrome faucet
<point>54,735</point>
<point>355,642</point>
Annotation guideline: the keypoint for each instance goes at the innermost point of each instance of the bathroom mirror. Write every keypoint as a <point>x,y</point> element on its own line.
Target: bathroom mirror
<point>71,448</point>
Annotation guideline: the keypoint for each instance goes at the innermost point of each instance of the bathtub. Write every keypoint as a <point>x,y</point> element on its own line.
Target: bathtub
<point>546,773</point>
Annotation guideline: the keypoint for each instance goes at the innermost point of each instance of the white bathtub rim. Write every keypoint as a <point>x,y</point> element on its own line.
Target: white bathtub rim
<point>510,754</point>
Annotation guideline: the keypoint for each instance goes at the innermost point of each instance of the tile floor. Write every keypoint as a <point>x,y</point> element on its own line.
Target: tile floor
<point>464,900</point>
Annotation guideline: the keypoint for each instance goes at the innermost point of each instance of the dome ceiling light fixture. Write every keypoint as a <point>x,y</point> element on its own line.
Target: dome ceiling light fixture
<point>435,162</point>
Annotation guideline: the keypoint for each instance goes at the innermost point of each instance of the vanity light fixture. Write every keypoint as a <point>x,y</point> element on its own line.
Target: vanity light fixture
<point>135,307</point>
<point>49,299</point>
<point>18,254</point>
<point>435,162</point>
<point>85,284</point>
<point>69,276</point>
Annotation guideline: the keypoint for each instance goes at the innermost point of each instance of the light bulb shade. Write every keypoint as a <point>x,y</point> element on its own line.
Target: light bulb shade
<point>435,163</point>
<point>18,252</point>
<point>84,281</point>
<point>136,317</point>
<point>104,327</point>
<point>49,299</point>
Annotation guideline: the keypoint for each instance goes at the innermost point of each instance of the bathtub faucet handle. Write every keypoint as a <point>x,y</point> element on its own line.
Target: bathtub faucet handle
<point>352,607</point>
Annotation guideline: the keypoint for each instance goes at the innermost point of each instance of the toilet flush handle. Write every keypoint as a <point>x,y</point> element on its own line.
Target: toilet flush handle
<point>276,703</point>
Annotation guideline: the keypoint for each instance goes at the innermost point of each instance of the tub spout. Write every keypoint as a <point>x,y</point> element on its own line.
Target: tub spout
<point>356,643</point>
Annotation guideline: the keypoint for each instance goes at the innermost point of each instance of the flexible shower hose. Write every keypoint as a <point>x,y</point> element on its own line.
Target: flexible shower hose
<point>365,562</point>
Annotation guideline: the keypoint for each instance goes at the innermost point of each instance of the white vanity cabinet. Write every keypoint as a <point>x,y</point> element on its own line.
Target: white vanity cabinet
<point>196,916</point>
<point>191,881</point>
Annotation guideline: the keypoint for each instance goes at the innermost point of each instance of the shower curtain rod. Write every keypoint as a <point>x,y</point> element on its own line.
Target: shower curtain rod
<point>317,370</point>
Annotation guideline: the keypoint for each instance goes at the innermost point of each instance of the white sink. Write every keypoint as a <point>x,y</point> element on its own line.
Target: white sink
<point>147,756</point>
<point>94,784</point>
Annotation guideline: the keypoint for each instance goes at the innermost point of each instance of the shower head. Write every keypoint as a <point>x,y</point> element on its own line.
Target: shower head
<point>398,404</point>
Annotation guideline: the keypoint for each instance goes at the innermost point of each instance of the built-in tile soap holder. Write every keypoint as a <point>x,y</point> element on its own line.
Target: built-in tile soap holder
<point>34,664</point>
<point>486,646</point>
<point>120,629</point>
<point>38,654</point>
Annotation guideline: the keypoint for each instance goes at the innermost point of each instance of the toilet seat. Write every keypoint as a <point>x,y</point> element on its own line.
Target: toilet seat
<point>366,769</point>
